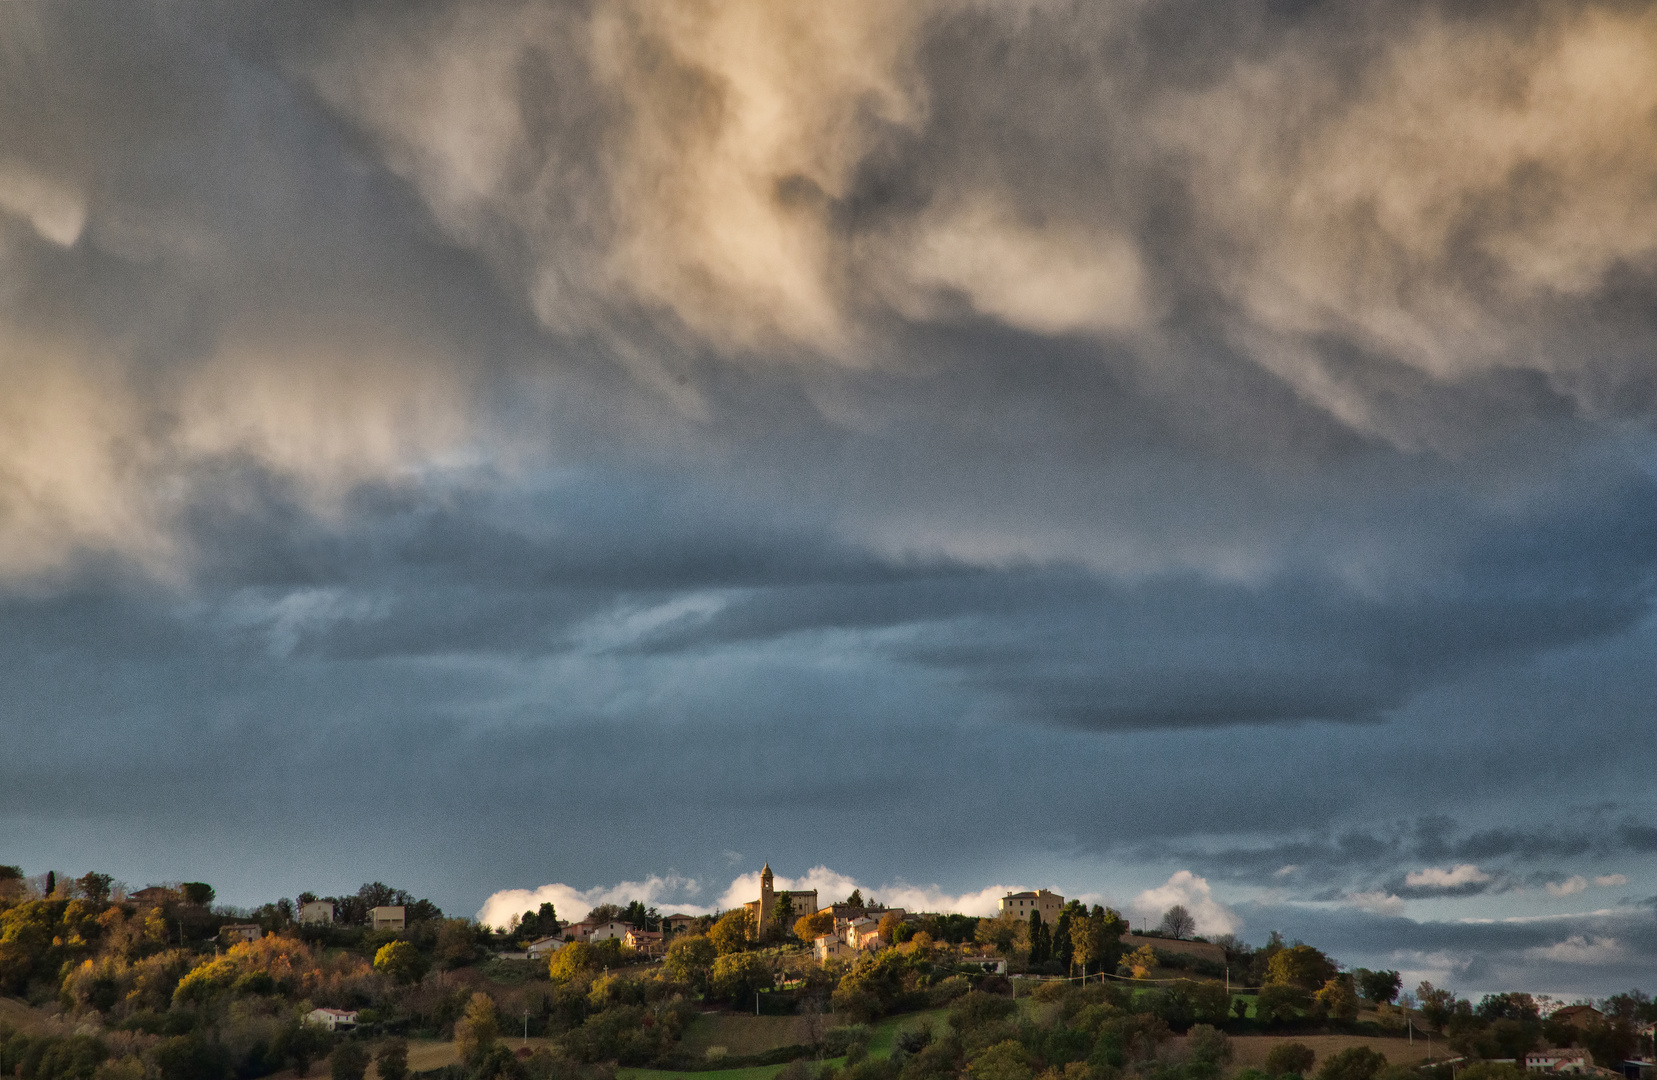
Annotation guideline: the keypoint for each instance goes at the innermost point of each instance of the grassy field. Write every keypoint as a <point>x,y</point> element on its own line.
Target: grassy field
<point>744,1035</point>
<point>758,1036</point>
<point>757,1072</point>
<point>1251,1050</point>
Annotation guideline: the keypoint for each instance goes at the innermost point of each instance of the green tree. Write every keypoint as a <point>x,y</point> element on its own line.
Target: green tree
<point>1353,1063</point>
<point>349,1061</point>
<point>855,899</point>
<point>540,923</point>
<point>736,977</point>
<point>733,932</point>
<point>198,893</point>
<point>1063,950</point>
<point>1032,934</point>
<point>95,887</point>
<point>401,961</point>
<point>1378,986</point>
<point>689,960</point>
<point>1006,1060</point>
<point>1437,1006</point>
<point>1098,940</point>
<point>1299,965</point>
<point>1336,999</point>
<point>782,910</point>
<point>1001,933</point>
<point>392,1060</point>
<point>476,1032</point>
<point>1290,1059</point>
<point>457,943</point>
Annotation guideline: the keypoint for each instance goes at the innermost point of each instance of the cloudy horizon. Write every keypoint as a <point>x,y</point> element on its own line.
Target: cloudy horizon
<point>485,446</point>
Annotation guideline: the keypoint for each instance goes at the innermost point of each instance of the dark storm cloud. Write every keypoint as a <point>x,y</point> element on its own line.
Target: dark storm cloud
<point>590,416</point>
<point>1565,956</point>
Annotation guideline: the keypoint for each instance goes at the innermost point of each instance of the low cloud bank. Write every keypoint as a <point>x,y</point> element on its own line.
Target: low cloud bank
<point>681,894</point>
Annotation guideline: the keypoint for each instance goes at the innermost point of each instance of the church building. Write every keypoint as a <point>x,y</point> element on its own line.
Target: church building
<point>765,908</point>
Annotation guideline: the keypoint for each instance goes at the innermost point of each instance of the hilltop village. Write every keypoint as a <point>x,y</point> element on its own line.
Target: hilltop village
<point>101,983</point>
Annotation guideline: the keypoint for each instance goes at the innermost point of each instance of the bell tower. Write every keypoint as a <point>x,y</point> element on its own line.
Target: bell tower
<point>767,900</point>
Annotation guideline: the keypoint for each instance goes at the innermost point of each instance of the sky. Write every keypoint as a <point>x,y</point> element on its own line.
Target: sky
<point>1158,451</point>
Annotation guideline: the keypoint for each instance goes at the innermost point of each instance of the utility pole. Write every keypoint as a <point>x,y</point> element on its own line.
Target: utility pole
<point>526,1027</point>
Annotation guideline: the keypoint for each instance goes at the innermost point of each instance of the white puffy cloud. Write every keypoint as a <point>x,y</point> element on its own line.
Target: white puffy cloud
<point>1194,893</point>
<point>1609,880</point>
<point>833,886</point>
<point>572,903</point>
<point>1434,877</point>
<point>680,893</point>
<point>1379,901</point>
<point>1569,887</point>
<point>1581,949</point>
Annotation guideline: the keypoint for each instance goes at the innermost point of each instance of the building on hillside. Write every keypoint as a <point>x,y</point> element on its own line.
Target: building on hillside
<point>316,912</point>
<point>1559,1061</point>
<point>677,924</point>
<point>392,917</point>
<point>1578,1016</point>
<point>877,913</point>
<point>863,933</point>
<point>235,933</point>
<point>604,931</point>
<point>153,896</point>
<point>988,963</point>
<point>802,902</point>
<point>1022,903</point>
<point>648,942</point>
<point>541,948</point>
<point>332,1019</point>
<point>832,947</point>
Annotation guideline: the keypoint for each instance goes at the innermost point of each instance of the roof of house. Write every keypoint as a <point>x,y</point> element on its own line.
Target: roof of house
<point>676,915</point>
<point>337,1012</point>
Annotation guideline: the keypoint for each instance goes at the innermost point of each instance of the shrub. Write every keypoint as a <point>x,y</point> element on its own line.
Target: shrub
<point>1208,1045</point>
<point>349,1061</point>
<point>1353,1063</point>
<point>1290,1058</point>
<point>392,1060</point>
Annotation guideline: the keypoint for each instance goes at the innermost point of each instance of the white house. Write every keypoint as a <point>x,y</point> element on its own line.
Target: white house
<point>603,931</point>
<point>237,932</point>
<point>316,911</point>
<point>332,1019</point>
<point>864,933</point>
<point>1559,1061</point>
<point>544,947</point>
<point>830,947</point>
<point>388,918</point>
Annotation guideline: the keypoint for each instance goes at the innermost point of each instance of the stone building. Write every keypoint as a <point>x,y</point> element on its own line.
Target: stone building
<point>802,903</point>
